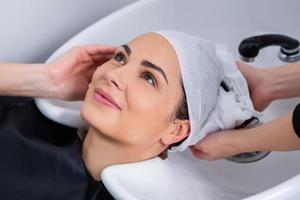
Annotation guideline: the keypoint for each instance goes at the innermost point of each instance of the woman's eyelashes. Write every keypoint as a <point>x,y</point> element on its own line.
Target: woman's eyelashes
<point>120,58</point>
<point>148,76</point>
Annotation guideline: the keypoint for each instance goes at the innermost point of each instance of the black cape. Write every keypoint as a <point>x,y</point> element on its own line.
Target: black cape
<point>40,159</point>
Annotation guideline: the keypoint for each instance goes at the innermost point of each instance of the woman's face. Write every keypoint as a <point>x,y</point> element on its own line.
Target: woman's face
<point>143,78</point>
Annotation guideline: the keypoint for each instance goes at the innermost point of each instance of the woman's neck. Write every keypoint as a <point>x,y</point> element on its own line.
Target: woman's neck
<point>99,152</point>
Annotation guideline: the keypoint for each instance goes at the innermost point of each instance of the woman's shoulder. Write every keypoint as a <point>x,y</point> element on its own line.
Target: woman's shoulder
<point>40,158</point>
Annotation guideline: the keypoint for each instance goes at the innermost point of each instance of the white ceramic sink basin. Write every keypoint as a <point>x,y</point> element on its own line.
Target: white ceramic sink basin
<point>225,21</point>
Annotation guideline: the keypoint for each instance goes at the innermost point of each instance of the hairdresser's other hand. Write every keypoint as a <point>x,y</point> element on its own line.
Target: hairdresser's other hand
<point>217,145</point>
<point>258,80</point>
<point>72,72</point>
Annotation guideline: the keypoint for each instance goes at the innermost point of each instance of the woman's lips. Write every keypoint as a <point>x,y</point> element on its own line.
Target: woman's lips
<point>105,98</point>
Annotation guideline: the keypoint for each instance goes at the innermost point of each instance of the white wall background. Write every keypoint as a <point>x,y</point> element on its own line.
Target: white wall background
<point>31,30</point>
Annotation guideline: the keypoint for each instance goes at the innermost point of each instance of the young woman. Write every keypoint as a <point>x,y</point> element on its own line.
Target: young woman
<point>134,103</point>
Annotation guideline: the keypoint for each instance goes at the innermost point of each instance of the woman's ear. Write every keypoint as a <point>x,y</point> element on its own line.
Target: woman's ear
<point>180,129</point>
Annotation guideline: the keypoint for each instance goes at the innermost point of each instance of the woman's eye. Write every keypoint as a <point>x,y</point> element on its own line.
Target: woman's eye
<point>119,57</point>
<point>150,79</point>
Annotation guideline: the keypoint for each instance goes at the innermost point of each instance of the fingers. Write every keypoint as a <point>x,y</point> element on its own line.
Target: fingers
<point>96,49</point>
<point>100,53</point>
<point>193,149</point>
<point>243,67</point>
<point>93,55</point>
<point>100,59</point>
<point>200,154</point>
<point>214,146</point>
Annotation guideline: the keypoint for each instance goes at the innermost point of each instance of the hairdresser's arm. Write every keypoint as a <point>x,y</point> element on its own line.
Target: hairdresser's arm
<point>65,78</point>
<point>269,84</point>
<point>277,135</point>
<point>265,85</point>
<point>26,80</point>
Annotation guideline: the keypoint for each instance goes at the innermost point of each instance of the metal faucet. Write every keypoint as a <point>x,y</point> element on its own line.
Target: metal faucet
<point>289,51</point>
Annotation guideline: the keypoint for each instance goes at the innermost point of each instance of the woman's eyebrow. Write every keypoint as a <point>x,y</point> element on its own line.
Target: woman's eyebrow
<point>147,63</point>
<point>127,49</point>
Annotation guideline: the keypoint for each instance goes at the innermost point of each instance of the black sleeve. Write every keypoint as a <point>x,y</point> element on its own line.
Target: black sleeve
<point>296,120</point>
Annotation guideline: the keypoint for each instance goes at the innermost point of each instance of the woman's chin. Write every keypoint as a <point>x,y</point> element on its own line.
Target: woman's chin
<point>100,121</point>
<point>88,115</point>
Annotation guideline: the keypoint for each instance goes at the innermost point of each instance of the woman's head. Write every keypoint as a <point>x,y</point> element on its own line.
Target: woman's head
<point>144,80</point>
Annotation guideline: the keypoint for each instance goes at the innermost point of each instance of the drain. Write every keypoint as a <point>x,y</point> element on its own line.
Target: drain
<point>248,157</point>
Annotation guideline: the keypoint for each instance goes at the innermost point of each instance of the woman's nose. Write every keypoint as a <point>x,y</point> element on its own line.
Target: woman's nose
<point>114,79</point>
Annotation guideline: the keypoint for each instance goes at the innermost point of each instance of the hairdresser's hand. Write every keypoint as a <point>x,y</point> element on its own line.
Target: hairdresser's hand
<point>72,72</point>
<point>217,145</point>
<point>258,80</point>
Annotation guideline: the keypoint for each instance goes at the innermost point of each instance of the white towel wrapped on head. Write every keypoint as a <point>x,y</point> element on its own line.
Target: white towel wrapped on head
<point>204,65</point>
